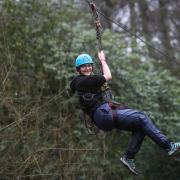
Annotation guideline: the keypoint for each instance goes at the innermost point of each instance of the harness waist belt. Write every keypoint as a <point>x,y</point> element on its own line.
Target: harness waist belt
<point>114,107</point>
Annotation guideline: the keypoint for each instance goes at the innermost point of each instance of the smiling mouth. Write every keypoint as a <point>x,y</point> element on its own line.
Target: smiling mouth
<point>87,72</point>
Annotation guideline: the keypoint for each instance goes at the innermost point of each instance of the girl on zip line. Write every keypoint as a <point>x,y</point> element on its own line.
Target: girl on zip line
<point>107,115</point>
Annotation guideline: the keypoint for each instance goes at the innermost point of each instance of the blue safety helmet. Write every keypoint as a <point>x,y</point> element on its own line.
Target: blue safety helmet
<point>83,59</point>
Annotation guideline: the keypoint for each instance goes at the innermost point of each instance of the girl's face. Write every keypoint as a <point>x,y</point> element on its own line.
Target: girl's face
<point>86,69</point>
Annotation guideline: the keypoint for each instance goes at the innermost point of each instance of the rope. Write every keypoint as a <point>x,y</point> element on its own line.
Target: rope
<point>97,23</point>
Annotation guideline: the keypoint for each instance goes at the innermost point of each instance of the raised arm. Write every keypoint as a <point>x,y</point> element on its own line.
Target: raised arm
<point>105,67</point>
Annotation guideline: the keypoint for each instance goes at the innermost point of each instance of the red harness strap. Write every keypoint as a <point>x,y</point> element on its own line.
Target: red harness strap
<point>114,107</point>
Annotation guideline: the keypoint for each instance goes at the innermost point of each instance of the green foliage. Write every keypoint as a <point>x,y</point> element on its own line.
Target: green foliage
<point>42,132</point>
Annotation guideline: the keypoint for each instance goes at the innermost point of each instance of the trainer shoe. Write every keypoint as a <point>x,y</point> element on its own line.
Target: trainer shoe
<point>174,147</point>
<point>129,163</point>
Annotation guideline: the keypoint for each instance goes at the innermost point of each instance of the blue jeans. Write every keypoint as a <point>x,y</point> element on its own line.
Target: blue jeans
<point>130,120</point>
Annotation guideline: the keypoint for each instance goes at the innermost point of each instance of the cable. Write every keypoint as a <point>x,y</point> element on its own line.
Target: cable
<point>132,34</point>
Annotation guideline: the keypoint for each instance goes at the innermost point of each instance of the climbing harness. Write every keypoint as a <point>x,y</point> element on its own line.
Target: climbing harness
<point>105,89</point>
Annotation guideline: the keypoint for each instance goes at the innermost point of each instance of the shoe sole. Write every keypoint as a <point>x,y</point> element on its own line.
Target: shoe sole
<point>127,166</point>
<point>175,152</point>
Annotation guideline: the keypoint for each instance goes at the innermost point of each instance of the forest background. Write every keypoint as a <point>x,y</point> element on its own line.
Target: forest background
<point>42,131</point>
